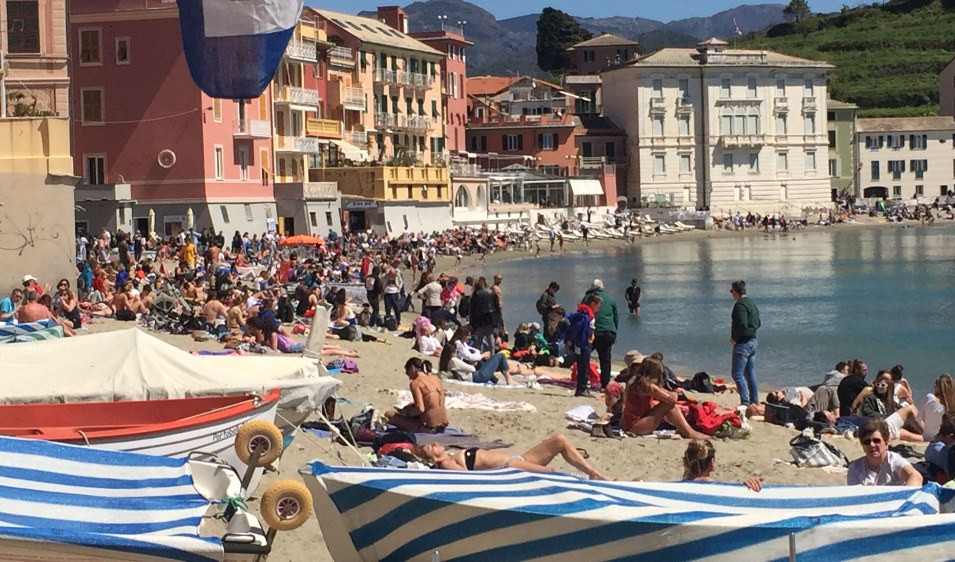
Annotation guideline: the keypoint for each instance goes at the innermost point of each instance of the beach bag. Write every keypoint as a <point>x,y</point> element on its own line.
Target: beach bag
<point>814,453</point>
<point>391,323</point>
<point>349,366</point>
<point>785,414</point>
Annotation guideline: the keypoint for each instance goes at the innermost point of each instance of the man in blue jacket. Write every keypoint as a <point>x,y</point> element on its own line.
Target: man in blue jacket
<point>580,336</point>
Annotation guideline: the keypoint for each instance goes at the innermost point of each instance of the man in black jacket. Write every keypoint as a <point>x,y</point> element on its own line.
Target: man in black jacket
<point>745,323</point>
<point>548,302</point>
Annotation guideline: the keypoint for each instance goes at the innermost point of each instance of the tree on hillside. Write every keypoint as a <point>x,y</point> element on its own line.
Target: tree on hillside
<point>797,10</point>
<point>556,31</point>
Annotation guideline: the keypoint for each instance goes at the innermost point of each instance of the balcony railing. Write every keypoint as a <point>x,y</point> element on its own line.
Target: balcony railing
<point>297,144</point>
<point>415,79</point>
<point>323,128</point>
<point>385,121</point>
<point>301,50</point>
<point>353,98</point>
<point>414,122</point>
<point>591,161</point>
<point>252,129</point>
<point>742,140</point>
<point>357,138</point>
<point>296,95</point>
<point>809,102</point>
<point>386,76</point>
<point>684,103</point>
<point>657,104</point>
<point>341,56</point>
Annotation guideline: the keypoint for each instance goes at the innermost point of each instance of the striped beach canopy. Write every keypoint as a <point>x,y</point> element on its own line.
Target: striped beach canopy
<point>506,514</point>
<point>30,331</point>
<point>76,501</point>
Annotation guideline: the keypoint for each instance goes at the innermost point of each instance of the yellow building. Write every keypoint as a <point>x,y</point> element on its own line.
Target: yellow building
<point>36,164</point>
<point>391,199</point>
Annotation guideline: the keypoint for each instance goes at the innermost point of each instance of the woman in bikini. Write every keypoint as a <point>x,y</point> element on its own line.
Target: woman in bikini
<point>535,459</point>
<point>427,412</point>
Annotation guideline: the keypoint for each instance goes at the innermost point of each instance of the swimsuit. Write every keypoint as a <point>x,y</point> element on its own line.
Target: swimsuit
<point>470,455</point>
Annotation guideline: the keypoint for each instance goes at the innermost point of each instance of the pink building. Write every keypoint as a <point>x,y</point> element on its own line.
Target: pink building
<point>454,82</point>
<point>155,152</point>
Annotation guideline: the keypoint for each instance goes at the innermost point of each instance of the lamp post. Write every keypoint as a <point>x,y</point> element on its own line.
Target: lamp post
<point>461,24</point>
<point>442,18</point>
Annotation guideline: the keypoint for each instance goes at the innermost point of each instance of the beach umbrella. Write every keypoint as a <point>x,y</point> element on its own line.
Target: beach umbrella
<point>303,240</point>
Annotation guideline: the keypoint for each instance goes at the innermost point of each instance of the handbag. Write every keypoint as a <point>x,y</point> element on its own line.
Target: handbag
<point>808,451</point>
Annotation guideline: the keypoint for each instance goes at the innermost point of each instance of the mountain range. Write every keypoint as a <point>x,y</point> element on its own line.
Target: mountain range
<point>508,46</point>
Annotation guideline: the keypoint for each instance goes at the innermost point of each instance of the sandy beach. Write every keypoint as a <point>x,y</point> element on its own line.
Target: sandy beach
<point>764,453</point>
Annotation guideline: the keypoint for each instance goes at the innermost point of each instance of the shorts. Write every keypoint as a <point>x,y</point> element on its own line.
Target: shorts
<point>894,421</point>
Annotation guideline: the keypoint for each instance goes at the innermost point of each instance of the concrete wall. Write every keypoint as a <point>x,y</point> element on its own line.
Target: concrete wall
<point>415,217</point>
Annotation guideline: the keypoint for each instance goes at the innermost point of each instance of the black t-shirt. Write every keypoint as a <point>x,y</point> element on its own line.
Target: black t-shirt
<point>849,388</point>
<point>633,295</point>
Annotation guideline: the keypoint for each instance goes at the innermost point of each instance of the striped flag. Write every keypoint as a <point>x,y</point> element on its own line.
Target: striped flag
<point>233,47</point>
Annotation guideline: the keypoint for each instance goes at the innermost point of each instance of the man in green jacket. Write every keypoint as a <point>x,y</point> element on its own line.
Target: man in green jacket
<point>605,329</point>
<point>745,323</point>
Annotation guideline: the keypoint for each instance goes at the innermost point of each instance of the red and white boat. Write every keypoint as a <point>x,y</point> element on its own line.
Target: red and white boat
<point>169,428</point>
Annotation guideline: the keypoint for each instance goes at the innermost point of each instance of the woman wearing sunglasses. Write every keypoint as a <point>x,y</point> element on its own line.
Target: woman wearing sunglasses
<point>879,466</point>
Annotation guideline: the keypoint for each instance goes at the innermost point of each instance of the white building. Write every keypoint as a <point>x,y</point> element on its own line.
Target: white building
<point>723,129</point>
<point>906,157</point>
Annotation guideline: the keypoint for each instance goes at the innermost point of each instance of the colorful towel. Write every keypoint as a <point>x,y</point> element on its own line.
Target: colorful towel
<point>465,401</point>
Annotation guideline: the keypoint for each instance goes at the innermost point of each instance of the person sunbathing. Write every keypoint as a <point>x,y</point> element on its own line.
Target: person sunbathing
<point>699,462</point>
<point>535,459</point>
<point>427,412</point>
<point>880,404</point>
<point>648,404</point>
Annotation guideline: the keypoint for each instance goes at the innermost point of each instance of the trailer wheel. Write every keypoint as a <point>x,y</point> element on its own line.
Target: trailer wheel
<point>285,505</point>
<point>259,434</point>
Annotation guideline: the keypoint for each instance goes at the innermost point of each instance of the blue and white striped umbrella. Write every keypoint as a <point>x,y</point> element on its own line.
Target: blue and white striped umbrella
<point>506,514</point>
<point>79,501</point>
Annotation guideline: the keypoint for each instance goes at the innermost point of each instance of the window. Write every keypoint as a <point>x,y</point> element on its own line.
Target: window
<point>727,163</point>
<point>92,100</point>
<point>896,141</point>
<point>683,85</point>
<point>483,143</point>
<point>658,126</point>
<point>248,212</point>
<point>810,123</point>
<point>264,163</point>
<point>781,124</point>
<point>313,218</point>
<point>94,170</point>
<point>219,163</point>
<point>23,26</point>
<point>752,124</point>
<point>547,141</point>
<point>811,161</point>
<point>919,190</point>
<point>217,110</point>
<point>834,168</point>
<point>408,107</point>
<point>751,88</point>
<point>91,47</point>
<point>513,142</point>
<point>225,213</point>
<point>726,124</point>
<point>753,162</point>
<point>683,121</point>
<point>781,87</point>
<point>725,88</point>
<point>782,161</point>
<point>328,218</point>
<point>739,124</point>
<point>122,50</point>
<point>610,151</point>
<point>896,167</point>
<point>684,163</point>
<point>434,109</point>
<point>897,191</point>
<point>243,160</point>
<point>918,142</point>
<point>874,172</point>
<point>659,164</point>
<point>919,167</point>
<point>657,88</point>
<point>808,88</point>
<point>832,139</point>
<point>586,149</point>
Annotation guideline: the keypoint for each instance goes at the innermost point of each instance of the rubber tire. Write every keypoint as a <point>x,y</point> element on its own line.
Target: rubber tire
<point>284,495</point>
<point>259,431</point>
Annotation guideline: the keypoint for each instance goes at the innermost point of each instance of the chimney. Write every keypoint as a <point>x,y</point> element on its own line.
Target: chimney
<point>393,16</point>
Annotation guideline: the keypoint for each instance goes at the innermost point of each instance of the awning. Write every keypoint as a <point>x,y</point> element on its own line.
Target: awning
<point>586,187</point>
<point>352,152</point>
<point>568,94</point>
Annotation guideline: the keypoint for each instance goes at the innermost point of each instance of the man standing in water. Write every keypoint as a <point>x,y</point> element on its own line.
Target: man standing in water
<point>745,323</point>
<point>633,295</point>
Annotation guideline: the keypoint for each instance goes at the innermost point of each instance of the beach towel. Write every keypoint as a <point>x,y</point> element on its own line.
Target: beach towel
<point>466,401</point>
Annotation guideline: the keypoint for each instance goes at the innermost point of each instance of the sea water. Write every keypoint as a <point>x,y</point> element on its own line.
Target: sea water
<point>885,295</point>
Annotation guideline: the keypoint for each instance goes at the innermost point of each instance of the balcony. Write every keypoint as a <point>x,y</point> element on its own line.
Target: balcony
<point>384,76</point>
<point>684,104</point>
<point>591,162</point>
<point>301,145</point>
<point>302,97</point>
<point>341,56</point>
<point>252,129</point>
<point>742,141</point>
<point>385,121</point>
<point>809,102</point>
<point>357,138</point>
<point>414,122</point>
<point>415,80</point>
<point>301,51</point>
<point>781,103</point>
<point>658,104</point>
<point>353,98</point>
<point>323,128</point>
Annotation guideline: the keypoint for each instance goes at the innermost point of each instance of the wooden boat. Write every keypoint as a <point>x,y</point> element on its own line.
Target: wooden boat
<point>167,428</point>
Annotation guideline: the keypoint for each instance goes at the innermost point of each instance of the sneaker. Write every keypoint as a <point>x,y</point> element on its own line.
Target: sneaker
<point>583,394</point>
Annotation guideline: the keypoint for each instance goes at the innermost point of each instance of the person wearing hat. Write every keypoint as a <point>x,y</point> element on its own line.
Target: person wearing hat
<point>605,329</point>
<point>30,283</point>
<point>632,360</point>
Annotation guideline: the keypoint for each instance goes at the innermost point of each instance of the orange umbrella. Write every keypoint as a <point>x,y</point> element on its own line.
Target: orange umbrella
<point>303,240</point>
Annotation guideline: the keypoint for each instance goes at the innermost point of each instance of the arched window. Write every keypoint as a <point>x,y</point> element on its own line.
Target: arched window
<point>481,197</point>
<point>463,198</point>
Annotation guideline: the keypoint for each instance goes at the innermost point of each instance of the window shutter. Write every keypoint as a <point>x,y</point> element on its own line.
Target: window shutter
<point>554,141</point>
<point>520,142</point>
<point>540,140</point>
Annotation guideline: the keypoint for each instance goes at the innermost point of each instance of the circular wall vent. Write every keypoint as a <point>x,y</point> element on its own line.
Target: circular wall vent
<point>167,158</point>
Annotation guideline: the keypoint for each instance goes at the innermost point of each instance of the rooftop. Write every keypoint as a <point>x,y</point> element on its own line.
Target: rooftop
<point>723,57</point>
<point>836,104</point>
<point>493,85</point>
<point>373,32</point>
<point>605,40</point>
<point>905,124</point>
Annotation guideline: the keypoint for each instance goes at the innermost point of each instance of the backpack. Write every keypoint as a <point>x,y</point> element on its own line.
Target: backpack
<point>391,323</point>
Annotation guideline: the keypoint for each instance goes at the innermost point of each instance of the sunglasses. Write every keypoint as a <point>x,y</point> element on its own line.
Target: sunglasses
<point>872,441</point>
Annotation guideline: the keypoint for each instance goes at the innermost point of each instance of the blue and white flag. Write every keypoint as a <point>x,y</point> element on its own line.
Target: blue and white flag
<point>233,47</point>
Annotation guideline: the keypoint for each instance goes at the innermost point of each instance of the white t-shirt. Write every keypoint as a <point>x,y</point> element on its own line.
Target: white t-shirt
<point>931,416</point>
<point>889,474</point>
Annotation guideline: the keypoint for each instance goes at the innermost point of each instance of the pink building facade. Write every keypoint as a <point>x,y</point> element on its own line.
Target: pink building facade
<point>454,83</point>
<point>154,152</point>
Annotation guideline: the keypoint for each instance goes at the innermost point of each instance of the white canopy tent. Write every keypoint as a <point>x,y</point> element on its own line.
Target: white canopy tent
<point>133,365</point>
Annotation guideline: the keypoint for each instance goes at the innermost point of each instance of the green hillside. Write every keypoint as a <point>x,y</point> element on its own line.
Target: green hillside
<point>887,56</point>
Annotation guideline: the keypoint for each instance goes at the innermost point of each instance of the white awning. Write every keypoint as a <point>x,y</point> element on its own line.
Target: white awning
<point>586,187</point>
<point>352,152</point>
<point>568,94</point>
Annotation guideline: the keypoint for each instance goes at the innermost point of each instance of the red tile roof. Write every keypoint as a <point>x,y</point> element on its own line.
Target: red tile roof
<point>489,85</point>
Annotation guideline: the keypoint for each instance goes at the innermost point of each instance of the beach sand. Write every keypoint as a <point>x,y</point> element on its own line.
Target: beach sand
<point>381,369</point>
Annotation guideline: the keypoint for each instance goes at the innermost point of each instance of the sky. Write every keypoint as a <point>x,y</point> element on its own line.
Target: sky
<point>650,9</point>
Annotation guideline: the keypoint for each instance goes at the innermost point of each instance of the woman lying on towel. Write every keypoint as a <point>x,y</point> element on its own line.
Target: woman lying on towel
<point>535,459</point>
<point>699,461</point>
